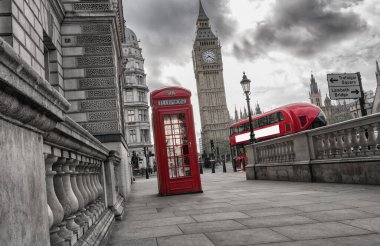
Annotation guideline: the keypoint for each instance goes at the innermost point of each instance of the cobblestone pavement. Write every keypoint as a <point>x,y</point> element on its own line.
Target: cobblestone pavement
<point>234,211</point>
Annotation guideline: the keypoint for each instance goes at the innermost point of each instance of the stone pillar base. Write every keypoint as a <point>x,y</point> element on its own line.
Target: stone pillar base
<point>118,208</point>
<point>100,231</point>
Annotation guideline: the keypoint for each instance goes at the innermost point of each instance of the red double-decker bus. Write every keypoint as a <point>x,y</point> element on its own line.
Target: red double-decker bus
<point>278,122</point>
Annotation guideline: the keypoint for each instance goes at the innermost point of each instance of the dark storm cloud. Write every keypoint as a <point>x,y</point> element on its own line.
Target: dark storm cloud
<point>302,27</point>
<point>167,30</point>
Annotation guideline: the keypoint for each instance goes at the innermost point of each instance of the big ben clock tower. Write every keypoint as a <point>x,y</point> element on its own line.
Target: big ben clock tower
<point>208,69</point>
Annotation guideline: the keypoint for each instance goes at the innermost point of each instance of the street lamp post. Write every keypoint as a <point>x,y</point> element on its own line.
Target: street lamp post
<point>147,162</point>
<point>246,83</point>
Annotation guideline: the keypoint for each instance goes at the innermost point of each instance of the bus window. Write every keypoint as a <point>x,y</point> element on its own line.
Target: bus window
<point>255,124</point>
<point>272,119</point>
<point>241,128</point>
<point>263,121</point>
<point>246,126</point>
<point>280,116</point>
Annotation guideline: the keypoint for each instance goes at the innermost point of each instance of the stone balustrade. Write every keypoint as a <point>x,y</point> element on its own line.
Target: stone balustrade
<point>345,152</point>
<point>75,179</point>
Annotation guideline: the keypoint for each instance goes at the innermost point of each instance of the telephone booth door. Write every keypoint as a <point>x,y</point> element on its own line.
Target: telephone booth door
<point>175,142</point>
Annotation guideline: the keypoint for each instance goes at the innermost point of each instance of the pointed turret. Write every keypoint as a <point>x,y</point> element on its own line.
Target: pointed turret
<point>313,85</point>
<point>258,109</point>
<point>315,93</point>
<point>203,25</point>
<point>236,115</point>
<point>377,67</point>
<point>202,14</point>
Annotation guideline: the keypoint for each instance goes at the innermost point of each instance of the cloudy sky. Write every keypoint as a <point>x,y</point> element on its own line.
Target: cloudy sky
<point>277,43</point>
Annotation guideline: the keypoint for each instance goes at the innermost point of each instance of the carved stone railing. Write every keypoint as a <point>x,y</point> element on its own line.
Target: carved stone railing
<point>76,183</point>
<point>301,156</point>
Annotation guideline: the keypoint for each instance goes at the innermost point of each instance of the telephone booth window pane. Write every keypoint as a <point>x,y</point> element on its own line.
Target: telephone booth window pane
<point>174,119</point>
<point>178,150</point>
<point>169,141</point>
<point>184,141</point>
<point>173,173</point>
<point>182,130</point>
<point>180,172</point>
<point>187,171</point>
<point>176,145</point>
<point>185,150</point>
<point>168,130</point>
<point>170,152</point>
<point>181,118</point>
<point>167,119</point>
<point>178,141</point>
<point>186,162</point>
<point>171,162</point>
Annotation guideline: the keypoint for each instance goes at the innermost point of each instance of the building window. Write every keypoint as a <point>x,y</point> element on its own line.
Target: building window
<point>143,115</point>
<point>132,136</point>
<point>131,115</point>
<point>129,95</point>
<point>141,96</point>
<point>144,134</point>
<point>140,80</point>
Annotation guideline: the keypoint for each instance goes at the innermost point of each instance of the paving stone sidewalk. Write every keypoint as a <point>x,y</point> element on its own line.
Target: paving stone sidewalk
<point>234,211</point>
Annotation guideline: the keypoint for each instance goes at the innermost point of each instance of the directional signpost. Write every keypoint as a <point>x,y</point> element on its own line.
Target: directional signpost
<point>346,86</point>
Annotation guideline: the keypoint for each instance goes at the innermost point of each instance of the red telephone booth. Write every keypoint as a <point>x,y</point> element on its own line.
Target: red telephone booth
<point>175,142</point>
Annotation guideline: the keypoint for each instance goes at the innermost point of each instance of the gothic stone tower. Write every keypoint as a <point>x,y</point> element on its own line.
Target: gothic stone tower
<point>208,69</point>
<point>315,93</point>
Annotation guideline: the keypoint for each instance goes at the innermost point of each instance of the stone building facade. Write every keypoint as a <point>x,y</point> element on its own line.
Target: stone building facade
<point>136,108</point>
<point>355,110</point>
<point>62,135</point>
<point>208,69</point>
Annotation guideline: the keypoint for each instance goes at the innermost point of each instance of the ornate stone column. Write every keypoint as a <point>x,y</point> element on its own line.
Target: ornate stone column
<point>97,181</point>
<point>96,204</point>
<point>84,193</point>
<point>115,201</point>
<point>54,206</point>
<point>98,184</point>
<point>80,219</point>
<point>63,199</point>
<point>80,184</point>
<point>86,179</point>
<point>71,198</point>
<point>88,186</point>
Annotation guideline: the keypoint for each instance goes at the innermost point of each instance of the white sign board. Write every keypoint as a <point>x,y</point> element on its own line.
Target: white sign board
<point>341,92</point>
<point>344,86</point>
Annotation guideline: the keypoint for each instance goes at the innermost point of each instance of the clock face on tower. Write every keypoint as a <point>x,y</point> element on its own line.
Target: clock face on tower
<point>209,56</point>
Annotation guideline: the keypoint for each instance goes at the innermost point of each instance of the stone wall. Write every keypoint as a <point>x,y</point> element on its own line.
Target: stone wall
<point>22,182</point>
<point>92,65</point>
<point>347,152</point>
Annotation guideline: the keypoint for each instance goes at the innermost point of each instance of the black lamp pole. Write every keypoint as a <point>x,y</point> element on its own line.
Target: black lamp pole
<point>245,83</point>
<point>147,162</point>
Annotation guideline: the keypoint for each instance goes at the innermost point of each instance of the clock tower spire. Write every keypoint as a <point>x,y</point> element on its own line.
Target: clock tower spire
<point>208,70</point>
